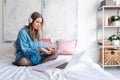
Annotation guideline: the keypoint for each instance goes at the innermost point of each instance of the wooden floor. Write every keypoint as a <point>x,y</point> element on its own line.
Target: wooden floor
<point>114,71</point>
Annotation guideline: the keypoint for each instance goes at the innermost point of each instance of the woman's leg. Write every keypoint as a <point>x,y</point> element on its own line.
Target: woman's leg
<point>24,62</point>
<point>46,58</point>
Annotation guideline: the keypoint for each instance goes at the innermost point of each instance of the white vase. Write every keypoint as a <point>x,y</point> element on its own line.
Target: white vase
<point>116,23</point>
<point>115,42</point>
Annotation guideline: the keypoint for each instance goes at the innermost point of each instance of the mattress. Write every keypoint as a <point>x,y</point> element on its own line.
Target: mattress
<point>83,70</point>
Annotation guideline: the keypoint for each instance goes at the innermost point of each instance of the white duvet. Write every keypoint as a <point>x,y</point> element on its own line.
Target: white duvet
<point>84,70</point>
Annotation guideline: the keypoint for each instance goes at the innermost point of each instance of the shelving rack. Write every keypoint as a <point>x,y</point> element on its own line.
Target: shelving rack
<point>104,27</point>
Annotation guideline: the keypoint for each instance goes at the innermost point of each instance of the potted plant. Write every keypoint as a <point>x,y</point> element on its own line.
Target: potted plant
<point>115,39</point>
<point>115,20</point>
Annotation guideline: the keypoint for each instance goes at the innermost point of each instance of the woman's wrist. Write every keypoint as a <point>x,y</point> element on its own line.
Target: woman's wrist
<point>38,50</point>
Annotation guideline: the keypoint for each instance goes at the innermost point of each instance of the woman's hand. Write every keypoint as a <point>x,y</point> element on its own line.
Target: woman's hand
<point>48,52</point>
<point>38,50</point>
<point>52,49</point>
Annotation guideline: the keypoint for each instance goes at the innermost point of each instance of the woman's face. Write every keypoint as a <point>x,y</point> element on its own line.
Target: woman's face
<point>37,23</point>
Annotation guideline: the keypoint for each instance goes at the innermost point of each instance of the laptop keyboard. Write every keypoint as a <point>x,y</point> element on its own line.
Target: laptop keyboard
<point>62,66</point>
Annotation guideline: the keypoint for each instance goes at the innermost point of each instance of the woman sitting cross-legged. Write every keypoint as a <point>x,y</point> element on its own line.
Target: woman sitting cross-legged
<point>29,49</point>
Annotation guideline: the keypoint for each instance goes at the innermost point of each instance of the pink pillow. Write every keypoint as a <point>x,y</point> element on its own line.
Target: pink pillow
<point>66,47</point>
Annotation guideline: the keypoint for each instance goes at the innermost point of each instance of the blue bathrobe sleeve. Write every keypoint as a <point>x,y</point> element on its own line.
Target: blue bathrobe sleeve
<point>23,41</point>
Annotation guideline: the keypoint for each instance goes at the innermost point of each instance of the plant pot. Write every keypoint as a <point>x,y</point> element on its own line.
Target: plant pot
<point>115,42</point>
<point>116,23</point>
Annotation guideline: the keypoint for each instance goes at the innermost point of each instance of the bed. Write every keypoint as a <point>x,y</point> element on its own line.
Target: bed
<point>83,70</point>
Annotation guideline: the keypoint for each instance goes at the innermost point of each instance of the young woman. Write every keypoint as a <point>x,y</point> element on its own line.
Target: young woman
<point>29,50</point>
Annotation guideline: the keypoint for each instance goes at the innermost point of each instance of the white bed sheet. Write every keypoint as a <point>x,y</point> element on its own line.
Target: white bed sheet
<point>84,70</point>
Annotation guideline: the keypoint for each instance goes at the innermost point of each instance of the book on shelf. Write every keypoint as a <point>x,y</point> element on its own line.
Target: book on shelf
<point>106,42</point>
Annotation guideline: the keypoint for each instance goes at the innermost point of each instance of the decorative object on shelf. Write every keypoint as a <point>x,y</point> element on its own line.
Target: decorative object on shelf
<point>115,42</point>
<point>115,39</point>
<point>107,3</point>
<point>117,2</point>
<point>106,42</point>
<point>114,20</point>
<point>106,20</point>
<point>111,56</point>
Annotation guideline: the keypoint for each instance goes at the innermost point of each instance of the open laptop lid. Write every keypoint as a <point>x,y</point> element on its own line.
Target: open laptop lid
<point>75,59</point>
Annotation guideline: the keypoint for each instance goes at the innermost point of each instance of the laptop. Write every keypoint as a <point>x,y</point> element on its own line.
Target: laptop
<point>74,60</point>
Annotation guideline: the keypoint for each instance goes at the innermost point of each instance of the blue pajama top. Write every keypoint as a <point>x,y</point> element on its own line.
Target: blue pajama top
<point>26,47</point>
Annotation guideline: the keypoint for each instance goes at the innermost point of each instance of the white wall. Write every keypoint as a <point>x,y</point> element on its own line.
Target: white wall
<point>86,29</point>
<point>0,21</point>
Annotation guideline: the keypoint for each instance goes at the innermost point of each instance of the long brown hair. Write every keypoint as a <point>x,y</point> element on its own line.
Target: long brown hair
<point>35,34</point>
